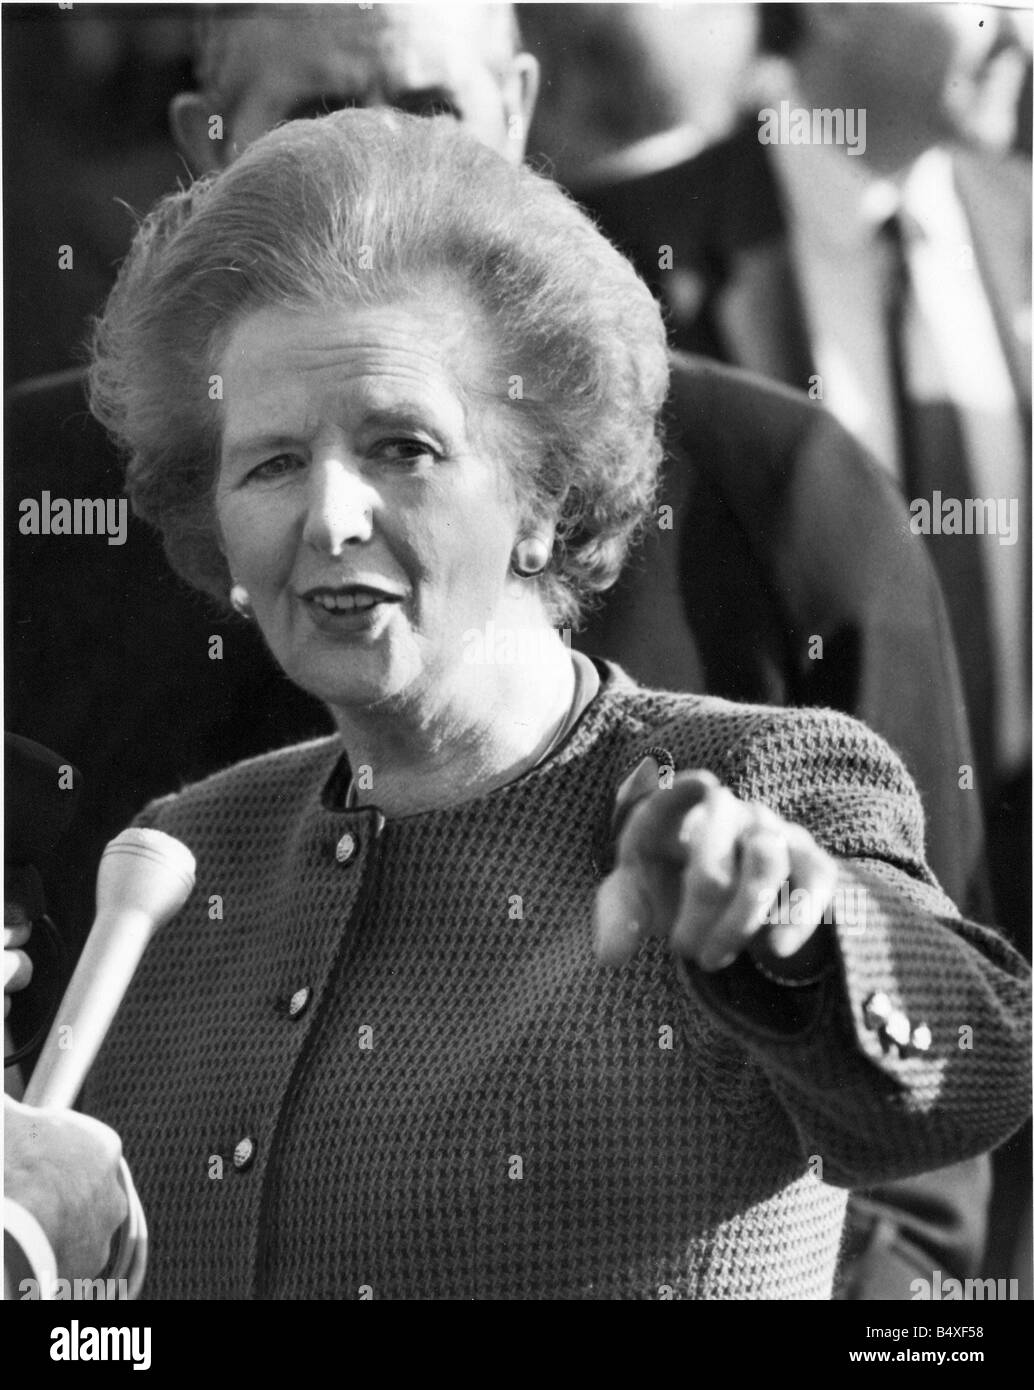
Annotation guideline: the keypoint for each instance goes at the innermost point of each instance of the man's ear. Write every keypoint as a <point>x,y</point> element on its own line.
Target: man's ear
<point>193,124</point>
<point>522,92</point>
<point>526,66</point>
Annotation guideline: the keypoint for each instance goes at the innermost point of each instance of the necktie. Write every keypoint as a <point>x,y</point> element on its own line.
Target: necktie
<point>933,468</point>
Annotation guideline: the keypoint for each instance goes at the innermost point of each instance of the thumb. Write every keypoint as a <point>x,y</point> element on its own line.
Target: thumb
<point>622,917</point>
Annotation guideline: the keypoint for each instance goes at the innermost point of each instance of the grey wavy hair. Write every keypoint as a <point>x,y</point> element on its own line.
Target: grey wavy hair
<point>292,225</point>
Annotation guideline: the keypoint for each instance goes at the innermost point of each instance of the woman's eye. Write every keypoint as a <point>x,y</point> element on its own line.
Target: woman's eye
<point>407,452</point>
<point>277,467</point>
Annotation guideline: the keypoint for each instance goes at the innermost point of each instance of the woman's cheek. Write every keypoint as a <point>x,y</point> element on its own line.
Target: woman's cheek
<point>256,540</point>
<point>228,522</point>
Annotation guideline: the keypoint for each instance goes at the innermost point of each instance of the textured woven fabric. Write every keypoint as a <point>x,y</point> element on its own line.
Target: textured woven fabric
<point>465,1105</point>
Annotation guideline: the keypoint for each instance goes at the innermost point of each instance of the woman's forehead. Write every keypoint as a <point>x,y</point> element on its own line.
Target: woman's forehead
<point>291,368</point>
<point>438,320</point>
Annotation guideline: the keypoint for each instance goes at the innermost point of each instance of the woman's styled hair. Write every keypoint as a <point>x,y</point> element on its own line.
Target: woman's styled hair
<point>365,207</point>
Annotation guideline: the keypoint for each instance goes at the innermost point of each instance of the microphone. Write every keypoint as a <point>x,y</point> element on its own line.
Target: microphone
<point>145,877</point>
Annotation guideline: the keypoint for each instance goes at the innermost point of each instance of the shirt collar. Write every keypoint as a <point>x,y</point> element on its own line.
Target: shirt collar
<point>839,205</point>
<point>836,201</point>
<point>929,198</point>
<point>833,195</point>
<point>654,154</point>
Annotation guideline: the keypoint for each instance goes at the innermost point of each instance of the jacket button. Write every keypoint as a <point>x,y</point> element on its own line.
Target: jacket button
<point>345,848</point>
<point>298,1003</point>
<point>877,1010</point>
<point>921,1037</point>
<point>898,1028</point>
<point>244,1153</point>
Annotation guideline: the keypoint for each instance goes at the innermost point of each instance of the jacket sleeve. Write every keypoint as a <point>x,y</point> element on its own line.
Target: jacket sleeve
<point>914,1052</point>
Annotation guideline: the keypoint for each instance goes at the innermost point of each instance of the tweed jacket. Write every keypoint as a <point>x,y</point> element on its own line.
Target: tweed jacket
<point>378,1059</point>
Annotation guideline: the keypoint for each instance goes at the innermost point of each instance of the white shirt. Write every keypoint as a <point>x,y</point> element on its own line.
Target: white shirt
<point>836,209</point>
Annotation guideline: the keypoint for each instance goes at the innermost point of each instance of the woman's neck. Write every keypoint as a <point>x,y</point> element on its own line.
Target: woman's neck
<point>489,724</point>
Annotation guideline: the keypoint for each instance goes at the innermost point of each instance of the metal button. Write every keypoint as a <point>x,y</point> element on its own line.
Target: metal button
<point>921,1037</point>
<point>299,1002</point>
<point>898,1028</point>
<point>345,848</point>
<point>877,1009</point>
<point>244,1153</point>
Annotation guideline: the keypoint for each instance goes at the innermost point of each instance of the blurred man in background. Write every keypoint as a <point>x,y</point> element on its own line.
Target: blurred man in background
<point>890,279</point>
<point>629,88</point>
<point>273,63</point>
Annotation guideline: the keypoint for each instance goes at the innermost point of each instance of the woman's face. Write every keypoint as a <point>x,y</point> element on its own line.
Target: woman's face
<point>362,497</point>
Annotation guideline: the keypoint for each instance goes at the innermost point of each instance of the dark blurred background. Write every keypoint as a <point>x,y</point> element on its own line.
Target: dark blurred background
<point>85,146</point>
<point>86,143</point>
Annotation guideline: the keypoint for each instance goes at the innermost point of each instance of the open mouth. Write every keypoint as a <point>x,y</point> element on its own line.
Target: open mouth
<point>345,603</point>
<point>348,599</point>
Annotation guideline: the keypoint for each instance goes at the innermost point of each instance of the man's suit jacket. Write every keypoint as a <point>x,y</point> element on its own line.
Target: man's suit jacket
<point>731,292</point>
<point>791,577</point>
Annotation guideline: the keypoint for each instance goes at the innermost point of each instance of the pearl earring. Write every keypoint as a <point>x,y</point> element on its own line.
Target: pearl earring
<point>530,557</point>
<point>240,601</point>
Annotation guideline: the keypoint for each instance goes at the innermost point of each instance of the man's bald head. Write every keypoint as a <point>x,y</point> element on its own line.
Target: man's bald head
<point>259,65</point>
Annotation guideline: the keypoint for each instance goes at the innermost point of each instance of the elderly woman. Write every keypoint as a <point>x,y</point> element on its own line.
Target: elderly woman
<point>529,983</point>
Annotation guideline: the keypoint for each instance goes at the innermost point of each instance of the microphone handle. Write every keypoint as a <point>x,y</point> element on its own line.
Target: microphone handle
<point>109,959</point>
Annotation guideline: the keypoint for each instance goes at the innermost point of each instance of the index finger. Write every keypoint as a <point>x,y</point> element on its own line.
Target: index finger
<point>652,830</point>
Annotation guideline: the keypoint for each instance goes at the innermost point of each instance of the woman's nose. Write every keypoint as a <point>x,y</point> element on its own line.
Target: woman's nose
<point>341,505</point>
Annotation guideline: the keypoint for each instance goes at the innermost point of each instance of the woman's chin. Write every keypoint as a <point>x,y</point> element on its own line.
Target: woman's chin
<point>348,660</point>
<point>354,679</point>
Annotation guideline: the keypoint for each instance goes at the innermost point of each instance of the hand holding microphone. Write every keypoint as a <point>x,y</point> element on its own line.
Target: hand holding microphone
<point>64,1170</point>
<point>41,789</point>
<point>17,962</point>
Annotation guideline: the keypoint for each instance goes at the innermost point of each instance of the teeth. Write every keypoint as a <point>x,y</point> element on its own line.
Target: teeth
<point>344,603</point>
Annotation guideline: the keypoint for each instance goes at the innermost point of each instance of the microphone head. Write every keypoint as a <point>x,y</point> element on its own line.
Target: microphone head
<point>145,871</point>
